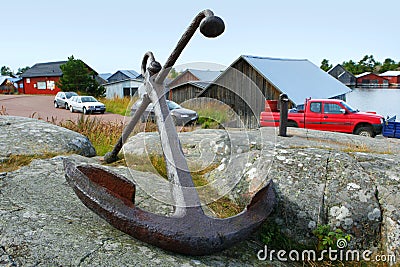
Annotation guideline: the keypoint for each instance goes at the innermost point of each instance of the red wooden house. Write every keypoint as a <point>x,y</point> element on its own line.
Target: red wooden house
<point>42,78</point>
<point>393,77</point>
<point>370,80</point>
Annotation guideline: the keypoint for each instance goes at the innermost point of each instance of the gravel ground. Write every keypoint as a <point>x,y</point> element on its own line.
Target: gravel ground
<point>41,106</point>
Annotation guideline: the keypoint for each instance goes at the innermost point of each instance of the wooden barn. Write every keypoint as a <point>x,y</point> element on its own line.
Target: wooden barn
<point>371,80</point>
<point>189,84</point>
<point>186,91</point>
<point>393,77</point>
<point>7,85</point>
<point>250,80</point>
<point>346,77</point>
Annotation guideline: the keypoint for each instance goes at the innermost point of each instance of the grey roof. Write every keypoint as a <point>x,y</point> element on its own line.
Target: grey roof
<point>298,78</point>
<point>201,85</point>
<point>205,75</point>
<point>3,79</point>
<point>49,69</point>
<point>105,76</point>
<point>130,73</point>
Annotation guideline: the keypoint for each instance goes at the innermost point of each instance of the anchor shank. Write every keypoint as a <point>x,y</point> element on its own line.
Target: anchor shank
<point>182,186</point>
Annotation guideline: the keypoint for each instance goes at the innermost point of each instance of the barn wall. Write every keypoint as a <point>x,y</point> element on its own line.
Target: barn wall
<point>183,93</point>
<point>244,90</point>
<point>184,78</point>
<point>372,80</point>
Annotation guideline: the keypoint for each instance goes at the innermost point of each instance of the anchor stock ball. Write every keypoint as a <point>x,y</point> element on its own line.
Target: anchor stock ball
<point>212,26</point>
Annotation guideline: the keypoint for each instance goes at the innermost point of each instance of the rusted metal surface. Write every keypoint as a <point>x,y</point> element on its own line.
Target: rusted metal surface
<point>112,197</point>
<point>188,230</point>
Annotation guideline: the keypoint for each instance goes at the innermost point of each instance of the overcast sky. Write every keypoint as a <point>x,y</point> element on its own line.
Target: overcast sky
<point>114,35</point>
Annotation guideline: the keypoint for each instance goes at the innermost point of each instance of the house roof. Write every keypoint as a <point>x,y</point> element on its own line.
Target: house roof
<point>49,69</point>
<point>298,78</point>
<point>105,76</point>
<point>130,73</point>
<point>201,85</point>
<point>363,74</point>
<point>205,75</point>
<point>3,79</point>
<point>390,73</point>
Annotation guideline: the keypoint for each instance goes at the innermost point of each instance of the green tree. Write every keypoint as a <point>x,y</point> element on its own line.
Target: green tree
<point>325,65</point>
<point>368,64</point>
<point>22,70</point>
<point>6,71</point>
<point>173,74</point>
<point>352,67</point>
<point>78,78</point>
<point>389,64</point>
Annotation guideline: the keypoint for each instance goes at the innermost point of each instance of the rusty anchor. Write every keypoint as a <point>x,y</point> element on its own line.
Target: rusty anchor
<point>188,230</point>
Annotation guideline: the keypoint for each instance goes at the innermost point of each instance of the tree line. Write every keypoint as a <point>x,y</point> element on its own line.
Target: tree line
<point>6,71</point>
<point>366,64</point>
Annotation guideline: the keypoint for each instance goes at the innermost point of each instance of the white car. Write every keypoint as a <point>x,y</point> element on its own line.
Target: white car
<point>86,104</point>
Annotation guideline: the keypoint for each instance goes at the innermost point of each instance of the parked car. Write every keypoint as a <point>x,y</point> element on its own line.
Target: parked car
<point>61,99</point>
<point>180,115</point>
<point>327,115</point>
<point>86,104</point>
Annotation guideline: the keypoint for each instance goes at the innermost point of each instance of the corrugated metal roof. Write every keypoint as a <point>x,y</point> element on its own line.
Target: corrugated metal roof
<point>205,75</point>
<point>390,73</point>
<point>49,69</point>
<point>298,78</point>
<point>201,85</point>
<point>130,73</point>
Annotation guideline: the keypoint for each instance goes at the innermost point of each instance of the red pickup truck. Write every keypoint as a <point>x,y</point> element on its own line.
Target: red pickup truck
<point>326,115</point>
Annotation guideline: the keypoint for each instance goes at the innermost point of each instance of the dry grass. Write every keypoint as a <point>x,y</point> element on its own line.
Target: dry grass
<point>14,162</point>
<point>3,111</point>
<point>222,207</point>
<point>102,134</point>
<point>212,113</point>
<point>118,105</point>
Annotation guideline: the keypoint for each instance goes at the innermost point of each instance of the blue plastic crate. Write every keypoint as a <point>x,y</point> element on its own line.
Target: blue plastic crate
<point>391,128</point>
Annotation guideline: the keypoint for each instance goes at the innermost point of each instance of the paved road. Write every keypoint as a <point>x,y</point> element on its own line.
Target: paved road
<point>39,106</point>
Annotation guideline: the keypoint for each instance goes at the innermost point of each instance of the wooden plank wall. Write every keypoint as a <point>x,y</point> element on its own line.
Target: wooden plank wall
<point>245,90</point>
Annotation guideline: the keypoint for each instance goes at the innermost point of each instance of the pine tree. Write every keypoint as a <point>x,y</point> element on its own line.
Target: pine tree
<point>78,78</point>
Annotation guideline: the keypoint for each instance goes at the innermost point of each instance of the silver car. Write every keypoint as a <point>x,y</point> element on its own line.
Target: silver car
<point>61,99</point>
<point>180,115</point>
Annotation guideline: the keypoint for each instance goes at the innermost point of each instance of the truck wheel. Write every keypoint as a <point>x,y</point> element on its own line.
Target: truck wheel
<point>292,124</point>
<point>365,131</point>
